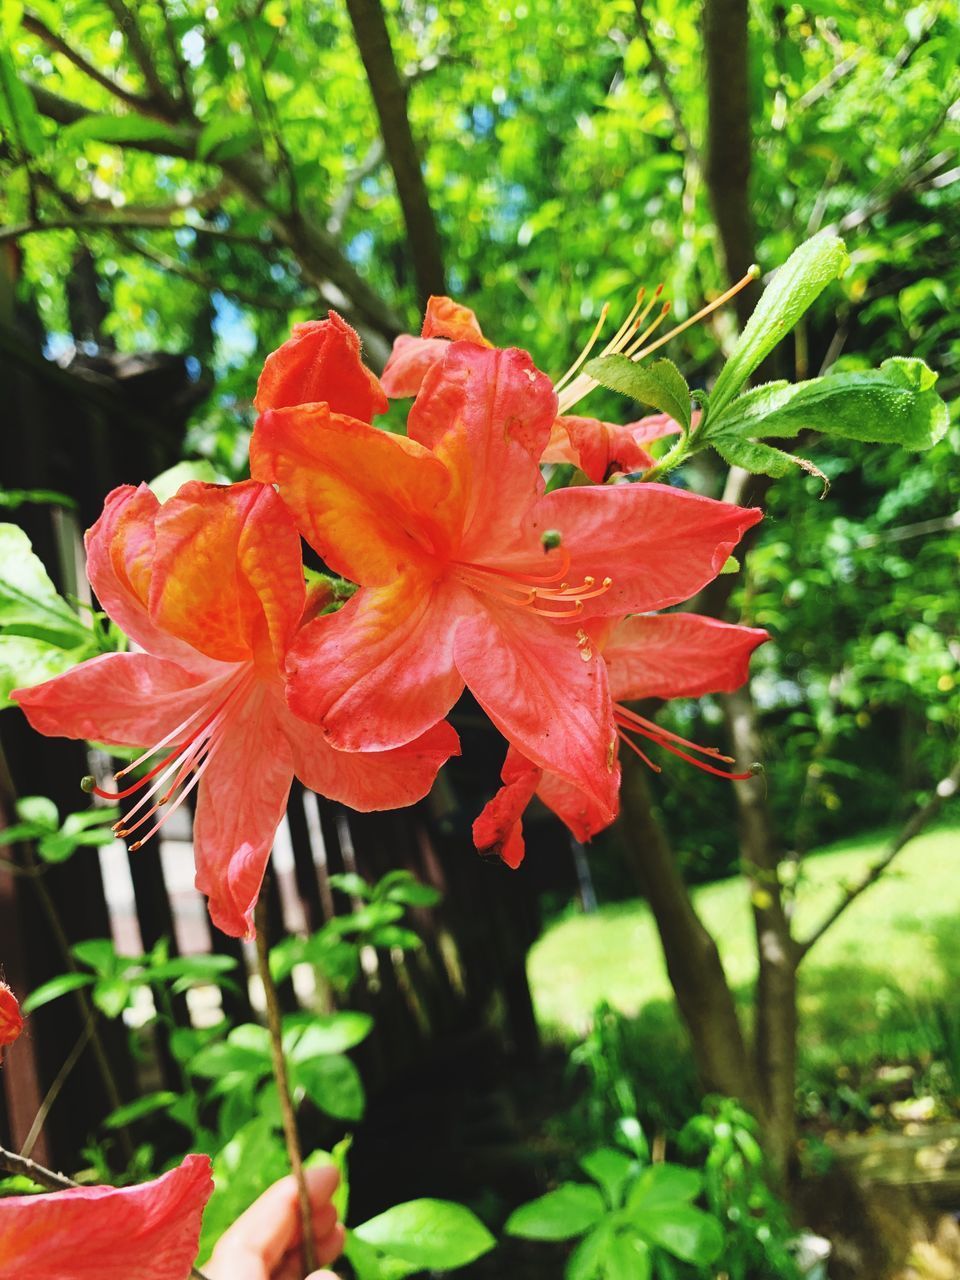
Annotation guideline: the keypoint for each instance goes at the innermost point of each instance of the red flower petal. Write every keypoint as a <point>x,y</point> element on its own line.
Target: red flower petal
<point>445,318</point>
<point>369,780</point>
<point>499,828</point>
<point>380,672</point>
<point>364,499</point>
<point>321,362</point>
<point>657,544</point>
<point>227,572</point>
<point>678,655</point>
<point>150,1231</point>
<point>243,796</point>
<point>530,678</point>
<point>410,361</point>
<point>126,699</point>
<point>11,1019</point>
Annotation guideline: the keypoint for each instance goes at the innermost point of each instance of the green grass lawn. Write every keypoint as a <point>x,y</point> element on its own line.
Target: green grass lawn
<point>894,950</point>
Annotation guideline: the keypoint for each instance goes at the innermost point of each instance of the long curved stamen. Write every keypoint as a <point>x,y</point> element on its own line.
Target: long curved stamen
<point>626,341</point>
<point>185,764</point>
<point>591,343</point>
<point>524,592</point>
<point>630,722</point>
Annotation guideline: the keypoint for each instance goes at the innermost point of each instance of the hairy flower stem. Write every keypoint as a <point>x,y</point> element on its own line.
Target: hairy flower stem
<point>43,1177</point>
<point>287,1110</point>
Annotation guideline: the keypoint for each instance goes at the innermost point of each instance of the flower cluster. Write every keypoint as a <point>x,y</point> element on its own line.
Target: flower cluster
<point>468,574</point>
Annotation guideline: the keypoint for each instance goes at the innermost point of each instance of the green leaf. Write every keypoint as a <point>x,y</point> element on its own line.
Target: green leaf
<point>393,935</point>
<point>18,111</point>
<point>660,385</point>
<point>435,1234</point>
<point>796,285</point>
<point>86,818</point>
<point>56,988</point>
<point>610,1169</point>
<point>895,404</point>
<point>333,1085</point>
<point>686,1232</point>
<point>349,882</point>
<point>586,1261</point>
<point>148,1105</point>
<point>225,136</point>
<point>25,662</point>
<point>98,954</point>
<point>58,848</point>
<point>166,484</point>
<point>559,1215</point>
<point>762,459</point>
<point>111,996</point>
<point>253,1158</point>
<point>28,599</point>
<point>123,129</point>
<point>39,810</point>
<point>198,968</point>
<point>403,887</point>
<point>369,1264</point>
<point>628,1258</point>
<point>327,1033</point>
<point>663,1186</point>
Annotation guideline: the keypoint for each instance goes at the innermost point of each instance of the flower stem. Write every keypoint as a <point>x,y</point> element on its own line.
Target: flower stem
<point>283,1084</point>
<point>53,1092</point>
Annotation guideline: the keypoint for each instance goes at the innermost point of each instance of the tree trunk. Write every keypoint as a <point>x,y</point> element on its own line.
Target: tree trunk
<point>693,961</point>
<point>775,1001</point>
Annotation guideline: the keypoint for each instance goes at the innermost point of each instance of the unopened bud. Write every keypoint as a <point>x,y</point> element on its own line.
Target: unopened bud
<point>88,783</point>
<point>550,539</point>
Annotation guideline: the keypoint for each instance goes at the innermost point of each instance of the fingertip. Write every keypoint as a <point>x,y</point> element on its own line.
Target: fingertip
<point>322,1182</point>
<point>330,1246</point>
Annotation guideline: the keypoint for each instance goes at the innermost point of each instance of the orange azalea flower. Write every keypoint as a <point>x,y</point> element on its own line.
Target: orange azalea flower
<point>210,585</point>
<point>600,449</point>
<point>470,573</point>
<point>147,1232</point>
<point>11,1019</point>
<point>671,655</point>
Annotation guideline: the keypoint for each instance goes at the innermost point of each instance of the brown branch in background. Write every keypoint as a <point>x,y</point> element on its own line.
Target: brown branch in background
<point>127,22</point>
<point>287,1111</point>
<point>946,788</point>
<point>43,1177</point>
<point>370,163</point>
<point>176,57</point>
<point>32,23</point>
<point>726,52</point>
<point>390,99</point>
<point>659,68</point>
<point>143,221</point>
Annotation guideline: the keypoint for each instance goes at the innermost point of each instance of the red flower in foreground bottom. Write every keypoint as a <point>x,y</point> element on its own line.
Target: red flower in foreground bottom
<point>11,1019</point>
<point>671,655</point>
<point>148,1232</point>
<point>211,585</point>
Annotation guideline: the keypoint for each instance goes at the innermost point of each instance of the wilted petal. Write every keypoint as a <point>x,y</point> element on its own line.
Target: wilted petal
<point>147,1232</point>
<point>499,828</point>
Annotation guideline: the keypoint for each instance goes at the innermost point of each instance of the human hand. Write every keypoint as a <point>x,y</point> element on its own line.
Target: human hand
<point>265,1243</point>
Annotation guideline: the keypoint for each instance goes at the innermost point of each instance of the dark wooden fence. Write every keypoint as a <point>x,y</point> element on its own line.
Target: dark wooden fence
<point>82,430</point>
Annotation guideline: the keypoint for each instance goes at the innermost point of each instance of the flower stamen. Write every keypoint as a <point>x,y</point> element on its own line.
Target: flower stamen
<point>628,722</point>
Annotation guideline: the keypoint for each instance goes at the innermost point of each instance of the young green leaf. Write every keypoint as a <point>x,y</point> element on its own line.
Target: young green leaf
<point>435,1234</point>
<point>333,1085</point>
<point>686,1232</point>
<point>145,1106</point>
<point>559,1215</point>
<point>762,459</point>
<point>895,404</point>
<point>56,988</point>
<point>660,385</point>
<point>796,285</point>
<point>610,1169</point>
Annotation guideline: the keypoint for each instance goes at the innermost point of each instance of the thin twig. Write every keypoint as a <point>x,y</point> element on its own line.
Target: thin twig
<point>287,1111</point>
<point>53,1092</point>
<point>946,788</point>
<point>659,68</point>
